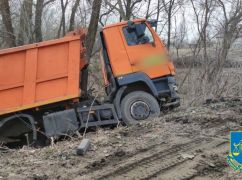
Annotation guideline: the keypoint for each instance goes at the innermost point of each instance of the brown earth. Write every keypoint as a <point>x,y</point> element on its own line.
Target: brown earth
<point>187,143</point>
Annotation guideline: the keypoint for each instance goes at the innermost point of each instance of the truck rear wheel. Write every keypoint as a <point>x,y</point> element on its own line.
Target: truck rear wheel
<point>137,106</point>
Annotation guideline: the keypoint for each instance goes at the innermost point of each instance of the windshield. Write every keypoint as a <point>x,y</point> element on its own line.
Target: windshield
<point>140,34</point>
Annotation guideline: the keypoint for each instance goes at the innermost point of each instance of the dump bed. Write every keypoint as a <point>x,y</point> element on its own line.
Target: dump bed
<point>41,74</point>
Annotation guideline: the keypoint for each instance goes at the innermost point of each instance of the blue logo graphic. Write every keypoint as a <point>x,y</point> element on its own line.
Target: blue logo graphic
<point>235,157</point>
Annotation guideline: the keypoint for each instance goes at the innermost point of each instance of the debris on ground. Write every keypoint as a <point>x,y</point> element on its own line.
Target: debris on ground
<point>187,143</point>
<point>83,147</point>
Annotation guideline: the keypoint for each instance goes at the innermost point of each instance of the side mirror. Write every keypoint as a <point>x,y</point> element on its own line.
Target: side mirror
<point>152,22</point>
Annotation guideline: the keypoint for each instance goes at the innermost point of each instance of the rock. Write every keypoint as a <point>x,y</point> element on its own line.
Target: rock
<point>211,165</point>
<point>120,153</point>
<point>83,147</point>
<point>203,156</point>
<point>118,136</point>
<point>187,156</point>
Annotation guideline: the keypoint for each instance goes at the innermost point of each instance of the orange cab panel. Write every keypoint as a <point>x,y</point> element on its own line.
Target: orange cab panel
<point>127,56</point>
<point>40,74</point>
<point>151,57</point>
<point>118,56</point>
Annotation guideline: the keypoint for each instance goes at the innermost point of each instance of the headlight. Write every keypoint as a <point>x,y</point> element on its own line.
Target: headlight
<point>175,87</point>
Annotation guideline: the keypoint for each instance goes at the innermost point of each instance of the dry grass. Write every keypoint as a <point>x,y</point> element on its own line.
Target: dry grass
<point>195,90</point>
<point>195,87</point>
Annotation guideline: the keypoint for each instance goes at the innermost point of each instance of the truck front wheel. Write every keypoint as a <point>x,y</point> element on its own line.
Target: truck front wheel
<point>137,106</point>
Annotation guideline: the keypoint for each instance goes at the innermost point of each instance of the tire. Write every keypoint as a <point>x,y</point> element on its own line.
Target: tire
<point>137,106</point>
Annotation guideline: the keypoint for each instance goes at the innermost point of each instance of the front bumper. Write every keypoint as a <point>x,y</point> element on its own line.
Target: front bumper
<point>167,91</point>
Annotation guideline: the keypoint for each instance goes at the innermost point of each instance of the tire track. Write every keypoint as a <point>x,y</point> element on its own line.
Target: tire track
<point>187,170</point>
<point>158,163</point>
<point>149,166</point>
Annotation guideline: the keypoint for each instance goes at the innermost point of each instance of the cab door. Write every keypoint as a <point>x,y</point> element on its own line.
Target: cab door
<point>145,50</point>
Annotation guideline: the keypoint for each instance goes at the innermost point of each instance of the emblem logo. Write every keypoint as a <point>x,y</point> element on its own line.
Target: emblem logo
<point>234,159</point>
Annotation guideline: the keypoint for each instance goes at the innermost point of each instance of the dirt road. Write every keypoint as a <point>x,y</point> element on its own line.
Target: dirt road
<point>184,144</point>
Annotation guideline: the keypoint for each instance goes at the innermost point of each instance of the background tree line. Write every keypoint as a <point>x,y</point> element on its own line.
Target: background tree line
<point>28,21</point>
<point>207,28</point>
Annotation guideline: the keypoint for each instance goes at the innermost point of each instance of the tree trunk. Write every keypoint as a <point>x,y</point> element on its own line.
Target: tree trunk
<point>121,10</point>
<point>38,20</point>
<point>170,9</point>
<point>9,36</point>
<point>158,13</point>
<point>148,10</point>
<point>204,37</point>
<point>128,10</point>
<point>92,29</point>
<point>63,6</point>
<point>73,13</point>
<point>63,19</point>
<point>25,24</point>
<point>169,31</point>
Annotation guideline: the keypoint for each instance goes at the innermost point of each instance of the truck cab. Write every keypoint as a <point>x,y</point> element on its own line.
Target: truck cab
<point>136,60</point>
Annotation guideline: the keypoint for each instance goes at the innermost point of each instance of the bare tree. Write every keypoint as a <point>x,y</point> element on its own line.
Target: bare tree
<point>109,10</point>
<point>158,12</point>
<point>63,18</point>
<point>230,27</point>
<point>38,20</point>
<point>73,13</point>
<point>9,37</point>
<point>148,9</point>
<point>203,13</point>
<point>170,7</point>
<point>179,34</point>
<point>84,9</point>
<point>124,7</point>
<point>204,24</point>
<point>40,4</point>
<point>25,23</point>
<point>92,29</point>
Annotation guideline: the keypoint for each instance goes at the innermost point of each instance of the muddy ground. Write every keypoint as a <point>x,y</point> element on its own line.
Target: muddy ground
<point>187,143</point>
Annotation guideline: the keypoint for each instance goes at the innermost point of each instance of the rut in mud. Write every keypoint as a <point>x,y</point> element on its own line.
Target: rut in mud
<point>158,164</point>
<point>184,144</point>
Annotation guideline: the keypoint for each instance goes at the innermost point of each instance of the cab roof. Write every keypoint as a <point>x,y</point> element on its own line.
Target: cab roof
<point>122,23</point>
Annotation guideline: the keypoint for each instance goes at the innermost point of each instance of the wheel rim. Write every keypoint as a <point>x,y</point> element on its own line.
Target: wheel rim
<point>140,110</point>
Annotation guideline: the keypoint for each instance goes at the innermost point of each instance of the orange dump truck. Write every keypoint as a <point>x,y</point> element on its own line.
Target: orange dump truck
<point>43,86</point>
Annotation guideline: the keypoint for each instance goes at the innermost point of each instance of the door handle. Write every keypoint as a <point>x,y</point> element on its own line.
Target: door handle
<point>134,63</point>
